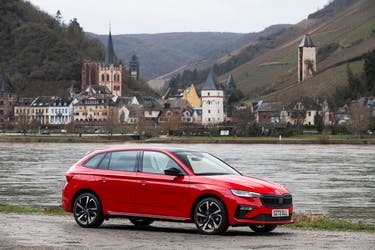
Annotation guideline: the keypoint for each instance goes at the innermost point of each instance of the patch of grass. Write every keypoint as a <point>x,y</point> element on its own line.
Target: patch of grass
<point>32,210</point>
<point>308,220</point>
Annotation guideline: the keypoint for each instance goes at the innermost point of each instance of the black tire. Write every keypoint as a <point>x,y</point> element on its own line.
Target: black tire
<point>141,222</point>
<point>262,228</point>
<point>210,216</point>
<point>87,210</point>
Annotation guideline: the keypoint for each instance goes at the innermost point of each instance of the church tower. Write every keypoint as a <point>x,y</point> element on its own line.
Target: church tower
<point>134,67</point>
<point>212,102</point>
<point>110,73</point>
<point>306,58</point>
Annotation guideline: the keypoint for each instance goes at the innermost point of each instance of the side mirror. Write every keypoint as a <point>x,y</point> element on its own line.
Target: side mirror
<point>174,172</point>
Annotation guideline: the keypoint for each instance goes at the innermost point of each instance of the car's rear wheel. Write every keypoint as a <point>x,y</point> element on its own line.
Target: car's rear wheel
<point>210,216</point>
<point>87,210</point>
<point>141,222</point>
<point>262,228</point>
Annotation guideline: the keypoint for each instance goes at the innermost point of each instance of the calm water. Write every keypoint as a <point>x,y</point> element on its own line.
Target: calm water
<point>324,179</point>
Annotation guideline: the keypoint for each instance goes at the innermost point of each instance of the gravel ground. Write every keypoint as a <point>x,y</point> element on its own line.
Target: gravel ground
<point>29,231</point>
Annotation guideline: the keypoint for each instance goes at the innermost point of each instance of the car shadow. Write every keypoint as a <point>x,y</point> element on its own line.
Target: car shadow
<point>164,229</point>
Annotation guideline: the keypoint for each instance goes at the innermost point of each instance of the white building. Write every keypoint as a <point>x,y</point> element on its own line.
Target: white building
<point>61,111</point>
<point>46,110</point>
<point>212,102</point>
<point>306,59</point>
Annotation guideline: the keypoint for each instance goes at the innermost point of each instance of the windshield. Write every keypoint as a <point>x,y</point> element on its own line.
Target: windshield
<point>205,164</point>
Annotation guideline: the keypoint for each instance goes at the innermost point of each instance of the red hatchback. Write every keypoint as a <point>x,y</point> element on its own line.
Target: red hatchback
<point>147,184</point>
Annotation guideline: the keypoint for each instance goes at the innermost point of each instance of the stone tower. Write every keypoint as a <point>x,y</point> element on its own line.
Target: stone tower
<point>134,67</point>
<point>108,73</point>
<point>306,58</point>
<point>90,74</point>
<point>212,102</point>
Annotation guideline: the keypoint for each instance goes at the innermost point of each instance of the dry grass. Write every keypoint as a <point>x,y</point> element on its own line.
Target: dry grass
<point>308,220</point>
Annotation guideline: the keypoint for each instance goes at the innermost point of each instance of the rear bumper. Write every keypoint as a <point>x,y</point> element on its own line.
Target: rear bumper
<point>66,199</point>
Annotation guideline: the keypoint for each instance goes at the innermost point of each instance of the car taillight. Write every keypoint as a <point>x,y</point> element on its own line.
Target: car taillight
<point>69,177</point>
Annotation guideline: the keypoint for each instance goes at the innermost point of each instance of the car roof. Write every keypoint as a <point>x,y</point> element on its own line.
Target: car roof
<point>157,148</point>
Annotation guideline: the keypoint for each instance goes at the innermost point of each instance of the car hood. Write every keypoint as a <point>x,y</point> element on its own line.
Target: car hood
<point>247,183</point>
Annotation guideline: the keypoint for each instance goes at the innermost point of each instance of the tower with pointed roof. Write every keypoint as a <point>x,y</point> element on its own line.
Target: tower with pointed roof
<point>110,73</point>
<point>212,102</point>
<point>107,74</point>
<point>306,58</point>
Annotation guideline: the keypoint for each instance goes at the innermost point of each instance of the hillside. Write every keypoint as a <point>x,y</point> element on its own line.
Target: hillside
<point>342,32</point>
<point>162,53</point>
<point>41,56</point>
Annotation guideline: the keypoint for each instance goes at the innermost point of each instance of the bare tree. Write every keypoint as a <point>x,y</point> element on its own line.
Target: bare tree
<point>243,120</point>
<point>112,122</point>
<point>359,118</point>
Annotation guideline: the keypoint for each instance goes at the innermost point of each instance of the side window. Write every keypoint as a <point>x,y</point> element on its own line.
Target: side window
<point>93,161</point>
<point>105,161</point>
<point>123,160</point>
<point>156,162</point>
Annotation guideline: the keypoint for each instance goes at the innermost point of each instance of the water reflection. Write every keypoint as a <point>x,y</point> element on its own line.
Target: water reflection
<point>338,180</point>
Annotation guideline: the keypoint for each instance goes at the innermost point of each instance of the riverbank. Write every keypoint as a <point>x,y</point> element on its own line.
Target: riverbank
<point>302,221</point>
<point>118,138</point>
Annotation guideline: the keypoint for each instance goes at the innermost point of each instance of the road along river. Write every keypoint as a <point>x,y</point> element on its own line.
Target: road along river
<point>338,180</point>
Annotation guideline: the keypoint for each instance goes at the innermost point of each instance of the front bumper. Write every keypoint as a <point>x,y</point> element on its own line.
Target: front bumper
<point>246,211</point>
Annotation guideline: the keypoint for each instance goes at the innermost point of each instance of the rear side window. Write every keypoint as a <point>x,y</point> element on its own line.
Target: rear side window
<point>123,160</point>
<point>104,163</point>
<point>93,161</point>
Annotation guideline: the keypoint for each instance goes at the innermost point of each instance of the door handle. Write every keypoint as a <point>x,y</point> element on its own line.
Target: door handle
<point>143,183</point>
<point>103,180</point>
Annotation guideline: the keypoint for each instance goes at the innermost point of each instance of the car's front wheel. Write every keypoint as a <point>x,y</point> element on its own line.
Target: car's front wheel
<point>210,216</point>
<point>141,222</point>
<point>262,228</point>
<point>87,210</point>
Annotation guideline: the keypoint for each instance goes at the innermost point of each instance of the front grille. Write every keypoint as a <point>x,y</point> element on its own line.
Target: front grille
<point>277,201</point>
<point>268,217</point>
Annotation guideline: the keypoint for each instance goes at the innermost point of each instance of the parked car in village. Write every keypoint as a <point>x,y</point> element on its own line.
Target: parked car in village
<point>147,184</point>
<point>21,131</point>
<point>2,131</point>
<point>45,132</point>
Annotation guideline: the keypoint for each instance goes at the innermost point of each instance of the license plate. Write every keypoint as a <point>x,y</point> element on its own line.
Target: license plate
<point>280,212</point>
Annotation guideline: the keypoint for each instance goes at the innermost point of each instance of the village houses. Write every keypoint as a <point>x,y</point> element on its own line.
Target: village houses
<point>101,99</point>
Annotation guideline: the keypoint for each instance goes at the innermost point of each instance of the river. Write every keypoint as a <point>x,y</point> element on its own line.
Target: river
<point>337,180</point>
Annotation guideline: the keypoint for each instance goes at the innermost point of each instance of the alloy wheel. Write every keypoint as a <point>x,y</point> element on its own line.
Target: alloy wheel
<point>210,216</point>
<point>87,210</point>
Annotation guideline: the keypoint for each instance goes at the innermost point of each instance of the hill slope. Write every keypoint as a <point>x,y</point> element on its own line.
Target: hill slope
<point>340,39</point>
<point>41,56</point>
<point>162,53</point>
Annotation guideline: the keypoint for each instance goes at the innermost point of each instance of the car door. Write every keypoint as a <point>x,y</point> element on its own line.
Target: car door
<point>117,178</point>
<point>159,194</point>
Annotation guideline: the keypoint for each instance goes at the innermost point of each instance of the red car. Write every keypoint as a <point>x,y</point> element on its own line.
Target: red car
<point>147,184</point>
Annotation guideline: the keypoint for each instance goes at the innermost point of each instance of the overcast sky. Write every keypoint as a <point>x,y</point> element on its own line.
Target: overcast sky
<point>158,16</point>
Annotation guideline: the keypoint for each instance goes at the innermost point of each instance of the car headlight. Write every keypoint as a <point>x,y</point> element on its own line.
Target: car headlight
<point>243,193</point>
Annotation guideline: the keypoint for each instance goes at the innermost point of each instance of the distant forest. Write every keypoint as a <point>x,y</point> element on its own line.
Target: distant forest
<point>40,54</point>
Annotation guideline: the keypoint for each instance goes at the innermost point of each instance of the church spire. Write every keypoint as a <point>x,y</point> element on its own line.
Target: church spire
<point>210,82</point>
<point>110,52</point>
